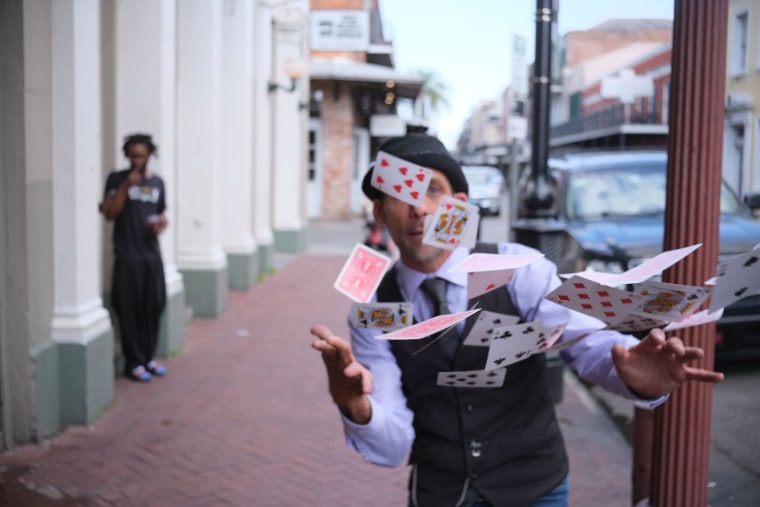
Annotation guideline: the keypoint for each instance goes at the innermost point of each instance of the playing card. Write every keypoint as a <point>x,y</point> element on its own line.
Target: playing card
<point>637,322</point>
<point>670,301</point>
<point>484,327</point>
<point>472,378</point>
<point>453,222</point>
<point>479,283</point>
<point>697,319</point>
<point>550,335</point>
<point>643,271</point>
<point>737,278</point>
<point>487,272</point>
<point>604,303</point>
<point>511,344</point>
<point>478,262</point>
<point>558,347</point>
<point>398,178</point>
<point>428,327</point>
<point>384,316</point>
<point>361,274</point>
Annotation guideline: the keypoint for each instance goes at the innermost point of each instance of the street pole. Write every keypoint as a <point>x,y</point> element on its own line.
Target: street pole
<point>681,440</point>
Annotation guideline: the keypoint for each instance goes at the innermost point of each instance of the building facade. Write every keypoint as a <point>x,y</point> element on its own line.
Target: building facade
<point>213,82</point>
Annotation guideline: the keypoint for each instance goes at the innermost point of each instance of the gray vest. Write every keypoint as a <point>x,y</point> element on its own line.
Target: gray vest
<point>505,443</point>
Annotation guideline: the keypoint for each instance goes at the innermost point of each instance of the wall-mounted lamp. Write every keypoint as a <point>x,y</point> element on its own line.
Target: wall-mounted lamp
<point>314,105</point>
<point>294,68</point>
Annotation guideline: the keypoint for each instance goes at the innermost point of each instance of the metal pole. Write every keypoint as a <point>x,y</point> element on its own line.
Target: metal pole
<point>513,179</point>
<point>539,196</point>
<point>681,444</point>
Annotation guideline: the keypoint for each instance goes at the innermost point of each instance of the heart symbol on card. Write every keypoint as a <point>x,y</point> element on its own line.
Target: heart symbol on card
<point>414,195</point>
<point>403,170</point>
<point>380,180</point>
<point>409,183</point>
<point>452,241</point>
<point>491,286</point>
<point>397,188</point>
<point>421,177</point>
<point>384,163</point>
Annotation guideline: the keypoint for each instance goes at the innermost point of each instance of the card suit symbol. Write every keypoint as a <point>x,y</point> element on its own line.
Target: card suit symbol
<point>609,314</point>
<point>397,188</point>
<point>421,177</point>
<point>492,374</point>
<point>384,162</point>
<point>484,340</point>
<point>692,297</point>
<point>403,170</point>
<point>489,331</point>
<point>741,291</point>
<point>470,383</point>
<point>562,297</point>
<point>380,180</point>
<point>452,241</point>
<point>583,295</point>
<point>490,382</point>
<point>364,322</point>
<point>414,195</point>
<point>473,375</point>
<point>626,301</point>
<point>450,383</point>
<point>499,361</point>
<point>409,183</point>
<point>606,304</point>
<point>496,321</point>
<point>449,206</point>
<point>750,261</point>
<point>528,330</point>
<point>579,285</point>
<point>519,355</point>
<point>491,286</point>
<point>452,375</point>
<point>603,293</point>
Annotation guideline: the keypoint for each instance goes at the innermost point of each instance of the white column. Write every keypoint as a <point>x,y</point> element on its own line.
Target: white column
<point>145,101</point>
<point>289,184</point>
<point>262,135</point>
<point>199,140</point>
<point>237,127</point>
<point>78,314</point>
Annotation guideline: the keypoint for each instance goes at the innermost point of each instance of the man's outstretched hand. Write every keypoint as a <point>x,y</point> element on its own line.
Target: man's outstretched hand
<point>656,366</point>
<point>350,382</point>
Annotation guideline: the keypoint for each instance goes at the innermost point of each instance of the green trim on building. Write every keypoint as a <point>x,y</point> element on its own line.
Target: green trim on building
<point>243,270</point>
<point>171,337</point>
<point>206,291</point>
<point>266,258</point>
<point>73,382</point>
<point>290,241</point>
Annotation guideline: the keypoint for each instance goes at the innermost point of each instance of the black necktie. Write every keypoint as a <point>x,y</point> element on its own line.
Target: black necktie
<point>435,288</point>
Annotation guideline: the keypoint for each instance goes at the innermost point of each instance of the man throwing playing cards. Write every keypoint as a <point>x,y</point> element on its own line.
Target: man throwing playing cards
<point>480,433</point>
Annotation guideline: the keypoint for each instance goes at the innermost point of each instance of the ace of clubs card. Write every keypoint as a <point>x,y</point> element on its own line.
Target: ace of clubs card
<point>383,316</point>
<point>454,224</point>
<point>361,274</point>
<point>605,303</point>
<point>398,178</point>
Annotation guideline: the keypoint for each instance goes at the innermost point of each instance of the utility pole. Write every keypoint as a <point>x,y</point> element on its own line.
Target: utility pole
<point>681,428</point>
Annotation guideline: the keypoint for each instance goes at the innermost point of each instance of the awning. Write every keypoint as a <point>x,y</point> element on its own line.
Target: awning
<point>342,69</point>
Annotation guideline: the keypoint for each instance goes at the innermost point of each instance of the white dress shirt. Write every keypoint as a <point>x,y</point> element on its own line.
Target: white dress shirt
<point>387,438</point>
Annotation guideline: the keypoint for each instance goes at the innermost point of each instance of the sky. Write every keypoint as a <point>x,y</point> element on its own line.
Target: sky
<point>468,43</point>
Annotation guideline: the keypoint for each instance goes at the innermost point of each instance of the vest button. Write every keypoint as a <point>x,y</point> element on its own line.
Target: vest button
<point>468,408</point>
<point>475,449</point>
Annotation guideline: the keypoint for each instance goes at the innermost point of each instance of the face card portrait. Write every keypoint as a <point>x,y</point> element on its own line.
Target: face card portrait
<point>382,316</point>
<point>452,224</point>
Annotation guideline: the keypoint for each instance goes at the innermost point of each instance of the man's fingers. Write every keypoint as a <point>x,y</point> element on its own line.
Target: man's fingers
<point>702,375</point>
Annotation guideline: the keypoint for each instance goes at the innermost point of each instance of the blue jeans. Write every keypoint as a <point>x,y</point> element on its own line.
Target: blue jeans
<point>555,498</point>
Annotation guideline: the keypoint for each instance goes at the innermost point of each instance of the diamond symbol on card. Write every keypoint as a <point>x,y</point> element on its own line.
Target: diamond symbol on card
<point>579,285</point>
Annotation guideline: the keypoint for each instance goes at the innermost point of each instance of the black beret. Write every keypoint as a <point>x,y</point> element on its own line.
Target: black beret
<point>421,149</point>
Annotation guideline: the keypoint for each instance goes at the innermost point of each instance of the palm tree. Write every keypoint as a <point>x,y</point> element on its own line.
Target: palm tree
<point>433,93</point>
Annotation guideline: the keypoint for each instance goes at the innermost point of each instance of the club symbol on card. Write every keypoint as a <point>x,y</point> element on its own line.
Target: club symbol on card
<point>741,291</point>
<point>499,361</point>
<point>528,330</point>
<point>520,355</point>
<point>750,261</point>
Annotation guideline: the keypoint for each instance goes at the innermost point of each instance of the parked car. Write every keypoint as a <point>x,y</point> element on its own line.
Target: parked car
<point>486,188</point>
<point>609,216</point>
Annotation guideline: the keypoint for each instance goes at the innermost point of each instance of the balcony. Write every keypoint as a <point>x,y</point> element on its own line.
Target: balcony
<point>614,126</point>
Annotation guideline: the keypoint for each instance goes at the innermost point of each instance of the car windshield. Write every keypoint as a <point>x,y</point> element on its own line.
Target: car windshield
<point>626,191</point>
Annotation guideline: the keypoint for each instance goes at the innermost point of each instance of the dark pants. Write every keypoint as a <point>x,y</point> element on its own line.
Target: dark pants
<point>138,297</point>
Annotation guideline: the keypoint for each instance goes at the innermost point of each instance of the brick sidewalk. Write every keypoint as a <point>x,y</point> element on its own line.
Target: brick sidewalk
<point>244,418</point>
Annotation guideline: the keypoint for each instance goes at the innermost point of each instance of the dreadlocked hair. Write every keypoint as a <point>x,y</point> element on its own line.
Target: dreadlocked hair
<point>144,139</point>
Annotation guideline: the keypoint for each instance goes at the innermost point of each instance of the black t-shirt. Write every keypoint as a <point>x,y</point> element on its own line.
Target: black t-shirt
<point>132,238</point>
